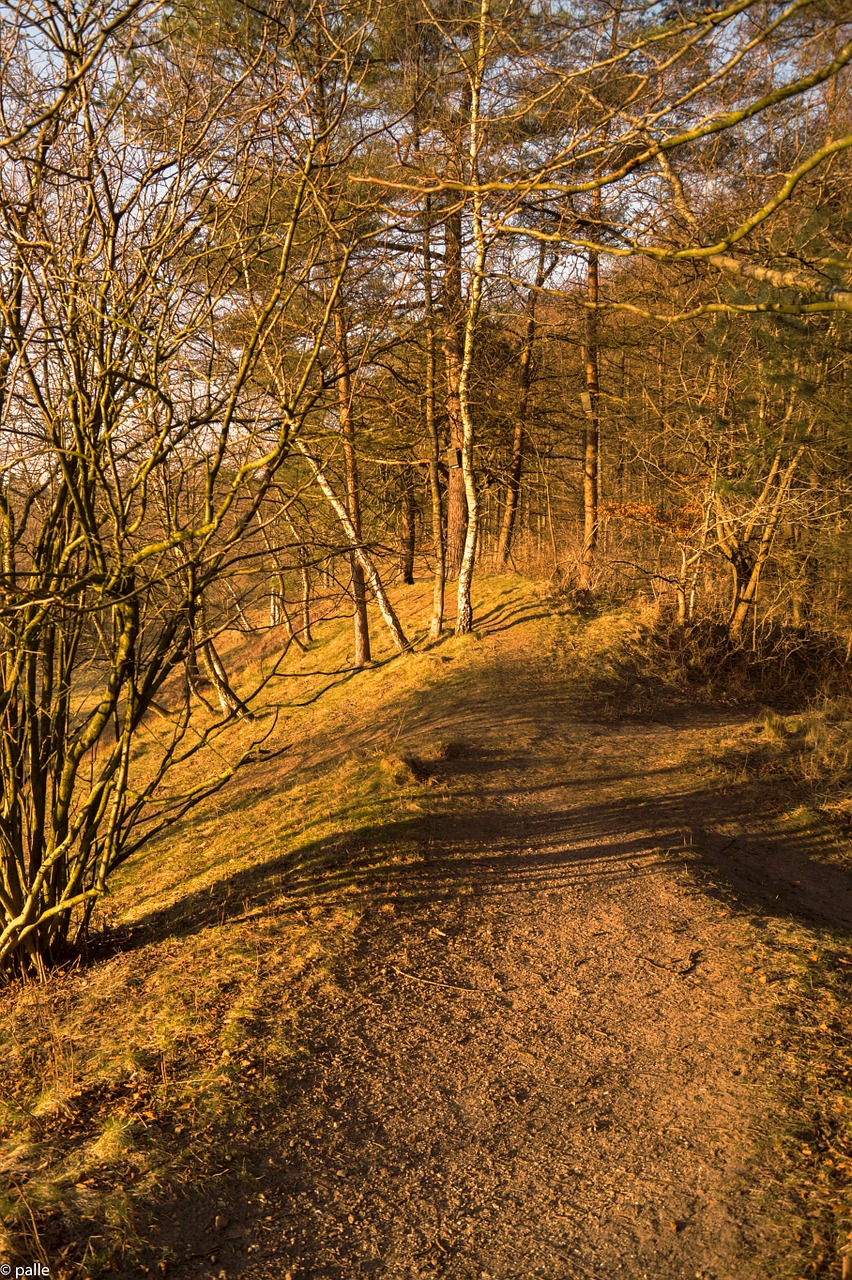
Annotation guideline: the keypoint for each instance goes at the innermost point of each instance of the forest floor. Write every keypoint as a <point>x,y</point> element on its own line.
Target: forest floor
<point>534,985</point>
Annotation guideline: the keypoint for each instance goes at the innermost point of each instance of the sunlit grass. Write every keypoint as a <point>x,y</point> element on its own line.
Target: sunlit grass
<point>123,1078</point>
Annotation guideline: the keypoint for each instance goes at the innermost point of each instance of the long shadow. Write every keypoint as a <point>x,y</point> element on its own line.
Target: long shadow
<point>494,853</point>
<point>495,621</point>
<point>425,719</point>
<point>418,860</point>
<point>417,863</point>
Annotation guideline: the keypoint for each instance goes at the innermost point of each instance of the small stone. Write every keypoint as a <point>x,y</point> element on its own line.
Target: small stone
<point>220,1222</point>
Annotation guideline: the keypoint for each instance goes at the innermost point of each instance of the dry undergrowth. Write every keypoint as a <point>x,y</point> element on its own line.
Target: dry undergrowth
<point>637,662</point>
<point>634,663</point>
<point>814,748</point>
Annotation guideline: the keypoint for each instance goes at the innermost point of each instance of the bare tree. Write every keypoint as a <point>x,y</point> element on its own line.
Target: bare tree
<point>152,230</point>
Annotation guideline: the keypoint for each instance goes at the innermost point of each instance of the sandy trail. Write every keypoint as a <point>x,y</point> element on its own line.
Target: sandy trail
<point>550,1053</point>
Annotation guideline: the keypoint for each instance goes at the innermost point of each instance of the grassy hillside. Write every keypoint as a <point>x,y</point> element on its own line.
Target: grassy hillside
<point>155,1065</point>
<point>132,1073</point>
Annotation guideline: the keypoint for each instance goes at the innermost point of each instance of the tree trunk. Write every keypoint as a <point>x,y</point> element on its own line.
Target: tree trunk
<point>244,623</point>
<point>371,574</point>
<point>591,433</point>
<point>353,496</point>
<point>195,680</point>
<point>278,612</point>
<point>275,606</point>
<point>804,573</point>
<point>453,354</point>
<point>453,341</point>
<point>680,590</point>
<point>747,572</point>
<point>436,624</point>
<point>464,617</point>
<point>229,701</point>
<point>745,592</point>
<point>306,594</point>
<point>513,489</point>
<point>409,526</point>
<point>305,575</point>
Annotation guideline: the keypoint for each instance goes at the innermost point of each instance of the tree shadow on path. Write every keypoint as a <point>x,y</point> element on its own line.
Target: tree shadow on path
<point>501,831</point>
<point>496,849</point>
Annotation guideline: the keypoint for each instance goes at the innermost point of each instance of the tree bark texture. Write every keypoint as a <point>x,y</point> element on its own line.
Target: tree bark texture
<point>453,355</point>
<point>409,526</point>
<point>436,623</point>
<point>747,560</point>
<point>230,701</point>
<point>464,616</point>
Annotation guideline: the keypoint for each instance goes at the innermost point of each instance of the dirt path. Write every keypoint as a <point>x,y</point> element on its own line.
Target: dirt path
<point>550,1054</point>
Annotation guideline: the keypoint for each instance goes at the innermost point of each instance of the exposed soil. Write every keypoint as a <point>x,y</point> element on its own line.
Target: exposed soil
<point>551,1050</point>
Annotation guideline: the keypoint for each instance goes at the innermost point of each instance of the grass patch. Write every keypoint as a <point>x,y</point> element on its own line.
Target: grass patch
<point>144,1069</point>
<point>814,1155</point>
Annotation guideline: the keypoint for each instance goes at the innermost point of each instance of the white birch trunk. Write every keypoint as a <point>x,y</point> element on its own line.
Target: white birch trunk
<point>371,573</point>
<point>464,620</point>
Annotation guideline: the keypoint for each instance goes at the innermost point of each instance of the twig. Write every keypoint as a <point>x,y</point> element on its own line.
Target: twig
<point>687,965</point>
<point>449,986</point>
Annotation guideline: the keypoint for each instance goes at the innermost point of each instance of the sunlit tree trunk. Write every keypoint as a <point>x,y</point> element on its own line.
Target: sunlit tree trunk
<point>229,700</point>
<point>353,496</point>
<point>305,574</point>
<point>457,513</point>
<point>591,431</point>
<point>370,571</point>
<point>436,622</point>
<point>519,440</point>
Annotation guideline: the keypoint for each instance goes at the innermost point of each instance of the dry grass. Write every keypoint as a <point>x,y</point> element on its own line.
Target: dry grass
<point>814,1154</point>
<point>806,755</point>
<point>146,1068</point>
<point>128,1076</point>
<point>639,663</point>
<point>815,748</point>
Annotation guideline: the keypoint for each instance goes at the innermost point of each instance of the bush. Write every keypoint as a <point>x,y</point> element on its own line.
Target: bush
<point>660,664</point>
